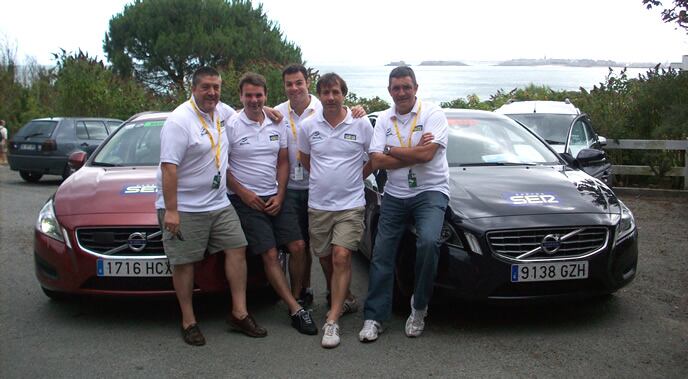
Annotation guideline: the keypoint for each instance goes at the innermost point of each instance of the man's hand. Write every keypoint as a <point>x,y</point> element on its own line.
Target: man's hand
<point>425,139</point>
<point>273,114</point>
<point>273,205</point>
<point>252,200</point>
<point>171,221</point>
<point>358,111</point>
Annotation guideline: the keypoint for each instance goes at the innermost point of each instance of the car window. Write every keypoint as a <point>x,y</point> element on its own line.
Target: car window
<point>96,130</point>
<point>554,128</point>
<point>134,144</point>
<point>39,128</point>
<point>112,125</point>
<point>81,132</point>
<point>590,134</point>
<point>475,139</point>
<point>578,139</point>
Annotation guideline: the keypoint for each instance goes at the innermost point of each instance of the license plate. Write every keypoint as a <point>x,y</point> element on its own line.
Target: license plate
<point>133,267</point>
<point>542,272</point>
<point>27,146</point>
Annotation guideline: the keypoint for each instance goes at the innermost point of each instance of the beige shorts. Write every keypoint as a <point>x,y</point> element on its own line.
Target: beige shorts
<point>203,233</point>
<point>341,228</point>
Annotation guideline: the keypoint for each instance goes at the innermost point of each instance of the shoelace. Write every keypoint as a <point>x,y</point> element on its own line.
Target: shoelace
<point>369,327</point>
<point>331,330</point>
<point>305,316</point>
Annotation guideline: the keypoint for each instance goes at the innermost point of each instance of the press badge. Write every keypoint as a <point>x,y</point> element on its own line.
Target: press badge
<point>298,172</point>
<point>412,182</point>
<point>216,181</point>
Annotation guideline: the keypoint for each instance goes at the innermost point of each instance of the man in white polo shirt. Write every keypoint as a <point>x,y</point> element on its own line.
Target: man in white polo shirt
<point>410,142</point>
<point>258,175</point>
<point>192,205</point>
<point>333,147</point>
<point>300,106</point>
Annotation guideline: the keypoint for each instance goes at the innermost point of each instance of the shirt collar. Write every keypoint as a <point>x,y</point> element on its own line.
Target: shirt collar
<point>244,118</point>
<point>348,119</point>
<point>414,110</point>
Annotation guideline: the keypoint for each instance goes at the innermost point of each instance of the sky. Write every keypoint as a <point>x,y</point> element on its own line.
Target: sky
<point>369,32</point>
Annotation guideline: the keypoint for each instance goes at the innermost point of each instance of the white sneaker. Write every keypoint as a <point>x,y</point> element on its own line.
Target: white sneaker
<point>330,335</point>
<point>370,331</point>
<point>416,321</point>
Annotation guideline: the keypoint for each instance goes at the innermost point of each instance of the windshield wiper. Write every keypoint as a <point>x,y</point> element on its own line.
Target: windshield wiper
<point>104,164</point>
<point>553,142</point>
<point>33,135</point>
<point>478,164</point>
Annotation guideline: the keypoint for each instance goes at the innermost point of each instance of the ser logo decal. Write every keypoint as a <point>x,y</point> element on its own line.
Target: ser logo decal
<point>139,189</point>
<point>350,137</point>
<point>531,198</point>
<point>274,137</point>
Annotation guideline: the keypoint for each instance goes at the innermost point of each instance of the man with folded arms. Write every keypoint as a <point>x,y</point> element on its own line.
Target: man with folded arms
<point>193,210</point>
<point>410,142</point>
<point>258,175</point>
<point>333,147</point>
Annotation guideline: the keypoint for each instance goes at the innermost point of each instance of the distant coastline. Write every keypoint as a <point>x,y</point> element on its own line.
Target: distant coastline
<point>542,62</point>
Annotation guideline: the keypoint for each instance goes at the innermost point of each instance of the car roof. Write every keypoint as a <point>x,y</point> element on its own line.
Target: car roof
<point>150,115</point>
<point>538,106</point>
<point>74,118</point>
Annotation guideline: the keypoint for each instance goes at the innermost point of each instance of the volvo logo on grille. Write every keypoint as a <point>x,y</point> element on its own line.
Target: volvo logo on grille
<point>550,244</point>
<point>137,241</point>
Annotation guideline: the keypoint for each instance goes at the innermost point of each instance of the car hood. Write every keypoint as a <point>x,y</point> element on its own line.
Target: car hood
<point>500,191</point>
<point>111,190</point>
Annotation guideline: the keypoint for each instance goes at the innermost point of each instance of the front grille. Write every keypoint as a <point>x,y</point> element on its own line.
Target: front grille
<point>527,245</point>
<point>104,240</point>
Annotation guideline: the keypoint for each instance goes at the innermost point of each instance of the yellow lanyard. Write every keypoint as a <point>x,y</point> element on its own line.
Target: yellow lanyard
<point>293,130</point>
<point>413,126</point>
<point>210,135</point>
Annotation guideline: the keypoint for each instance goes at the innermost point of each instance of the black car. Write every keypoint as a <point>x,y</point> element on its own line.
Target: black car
<point>521,221</point>
<point>42,146</point>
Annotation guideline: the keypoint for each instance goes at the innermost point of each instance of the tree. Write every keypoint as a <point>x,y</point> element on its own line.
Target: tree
<point>678,13</point>
<point>161,42</point>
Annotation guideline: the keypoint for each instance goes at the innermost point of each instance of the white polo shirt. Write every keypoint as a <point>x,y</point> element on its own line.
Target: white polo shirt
<point>430,176</point>
<point>292,133</point>
<point>253,151</point>
<point>185,143</point>
<point>337,158</point>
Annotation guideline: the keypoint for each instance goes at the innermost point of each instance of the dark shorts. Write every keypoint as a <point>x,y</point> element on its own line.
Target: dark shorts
<point>263,231</point>
<point>297,200</point>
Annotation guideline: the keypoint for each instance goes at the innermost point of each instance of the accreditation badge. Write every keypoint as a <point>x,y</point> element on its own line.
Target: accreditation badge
<point>298,172</point>
<point>412,181</point>
<point>216,181</point>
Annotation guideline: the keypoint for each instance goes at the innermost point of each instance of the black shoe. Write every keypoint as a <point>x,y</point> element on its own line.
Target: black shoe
<point>305,297</point>
<point>303,322</point>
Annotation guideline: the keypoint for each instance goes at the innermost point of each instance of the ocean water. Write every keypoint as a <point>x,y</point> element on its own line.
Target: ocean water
<point>446,83</point>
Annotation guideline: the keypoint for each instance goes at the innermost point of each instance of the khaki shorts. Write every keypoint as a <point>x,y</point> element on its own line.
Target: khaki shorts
<point>341,228</point>
<point>204,233</point>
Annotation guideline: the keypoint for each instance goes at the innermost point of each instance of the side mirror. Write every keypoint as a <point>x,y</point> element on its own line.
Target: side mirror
<point>77,159</point>
<point>588,156</point>
<point>569,159</point>
<point>602,140</point>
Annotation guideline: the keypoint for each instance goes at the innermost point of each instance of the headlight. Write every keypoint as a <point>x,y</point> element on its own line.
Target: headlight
<point>625,226</point>
<point>451,237</point>
<point>47,222</point>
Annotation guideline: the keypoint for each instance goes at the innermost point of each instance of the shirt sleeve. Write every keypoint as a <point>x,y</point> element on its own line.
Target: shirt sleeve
<point>437,125</point>
<point>379,137</point>
<point>304,142</point>
<point>368,135</point>
<point>283,136</point>
<point>174,141</point>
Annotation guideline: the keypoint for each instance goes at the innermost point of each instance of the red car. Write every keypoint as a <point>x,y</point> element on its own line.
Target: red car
<point>99,234</point>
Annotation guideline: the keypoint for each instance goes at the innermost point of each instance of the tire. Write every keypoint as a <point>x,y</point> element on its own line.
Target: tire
<point>67,172</point>
<point>30,176</point>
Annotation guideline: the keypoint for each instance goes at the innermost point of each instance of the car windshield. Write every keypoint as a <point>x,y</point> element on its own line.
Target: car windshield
<point>486,140</point>
<point>134,144</point>
<point>36,129</point>
<point>554,128</point>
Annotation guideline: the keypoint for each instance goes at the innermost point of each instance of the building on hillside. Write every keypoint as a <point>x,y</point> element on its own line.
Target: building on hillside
<point>683,65</point>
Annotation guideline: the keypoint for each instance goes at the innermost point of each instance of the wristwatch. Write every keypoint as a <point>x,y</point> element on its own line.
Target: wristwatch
<point>387,150</point>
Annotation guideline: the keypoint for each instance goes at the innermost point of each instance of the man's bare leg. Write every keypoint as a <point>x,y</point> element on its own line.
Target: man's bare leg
<point>235,271</point>
<point>182,279</point>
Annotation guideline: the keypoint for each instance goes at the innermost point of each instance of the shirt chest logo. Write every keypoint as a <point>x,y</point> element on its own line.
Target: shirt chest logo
<point>350,137</point>
<point>244,141</point>
<point>274,137</point>
<point>316,136</point>
<point>418,128</point>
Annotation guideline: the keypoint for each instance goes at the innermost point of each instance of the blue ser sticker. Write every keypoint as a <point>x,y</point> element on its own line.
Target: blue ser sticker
<point>531,198</point>
<point>139,189</point>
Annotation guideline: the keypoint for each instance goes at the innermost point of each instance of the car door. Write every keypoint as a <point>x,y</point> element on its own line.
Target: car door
<point>581,136</point>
